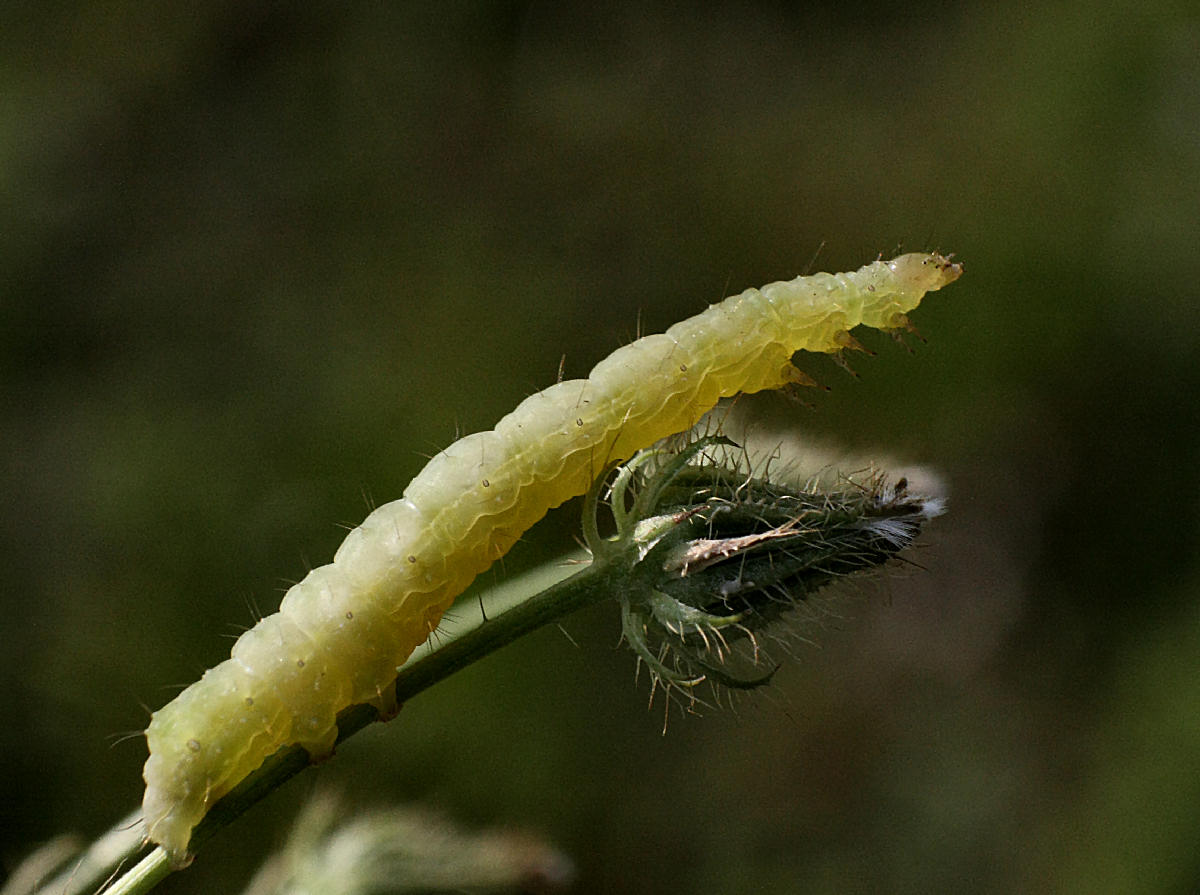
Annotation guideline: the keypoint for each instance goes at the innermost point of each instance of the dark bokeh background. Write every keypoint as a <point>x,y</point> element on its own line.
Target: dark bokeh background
<point>258,259</point>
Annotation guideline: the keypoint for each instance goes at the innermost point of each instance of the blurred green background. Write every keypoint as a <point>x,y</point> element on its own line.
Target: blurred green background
<point>259,259</point>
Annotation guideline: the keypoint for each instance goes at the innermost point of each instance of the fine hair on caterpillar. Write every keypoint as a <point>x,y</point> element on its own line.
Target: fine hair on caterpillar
<point>341,632</point>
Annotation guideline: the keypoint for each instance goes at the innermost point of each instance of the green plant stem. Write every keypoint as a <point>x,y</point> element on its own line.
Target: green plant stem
<point>477,625</point>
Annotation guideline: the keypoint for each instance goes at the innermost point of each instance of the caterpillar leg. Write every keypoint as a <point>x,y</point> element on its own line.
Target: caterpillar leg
<point>848,341</point>
<point>385,703</point>
<point>794,377</point>
<point>320,748</point>
<point>904,325</point>
<point>794,381</point>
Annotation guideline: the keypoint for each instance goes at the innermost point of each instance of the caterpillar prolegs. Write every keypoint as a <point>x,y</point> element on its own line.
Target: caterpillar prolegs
<point>341,632</point>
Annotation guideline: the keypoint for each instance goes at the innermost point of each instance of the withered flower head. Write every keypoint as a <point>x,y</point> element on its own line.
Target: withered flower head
<point>715,553</point>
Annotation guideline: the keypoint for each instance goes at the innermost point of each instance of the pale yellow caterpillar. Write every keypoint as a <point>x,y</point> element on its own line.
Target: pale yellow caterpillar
<point>341,632</point>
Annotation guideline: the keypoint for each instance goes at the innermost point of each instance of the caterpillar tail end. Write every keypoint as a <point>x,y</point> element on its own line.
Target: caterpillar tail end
<point>169,825</point>
<point>179,787</point>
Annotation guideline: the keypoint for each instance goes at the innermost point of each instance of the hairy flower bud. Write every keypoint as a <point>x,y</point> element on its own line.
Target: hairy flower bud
<point>717,553</point>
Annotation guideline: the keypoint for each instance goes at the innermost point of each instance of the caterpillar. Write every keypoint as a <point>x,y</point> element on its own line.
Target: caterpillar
<point>341,632</point>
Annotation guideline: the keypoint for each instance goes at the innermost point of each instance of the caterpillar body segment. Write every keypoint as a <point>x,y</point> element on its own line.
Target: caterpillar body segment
<point>341,632</point>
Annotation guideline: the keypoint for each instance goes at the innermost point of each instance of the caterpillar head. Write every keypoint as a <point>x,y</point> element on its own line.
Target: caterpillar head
<point>919,273</point>
<point>901,284</point>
